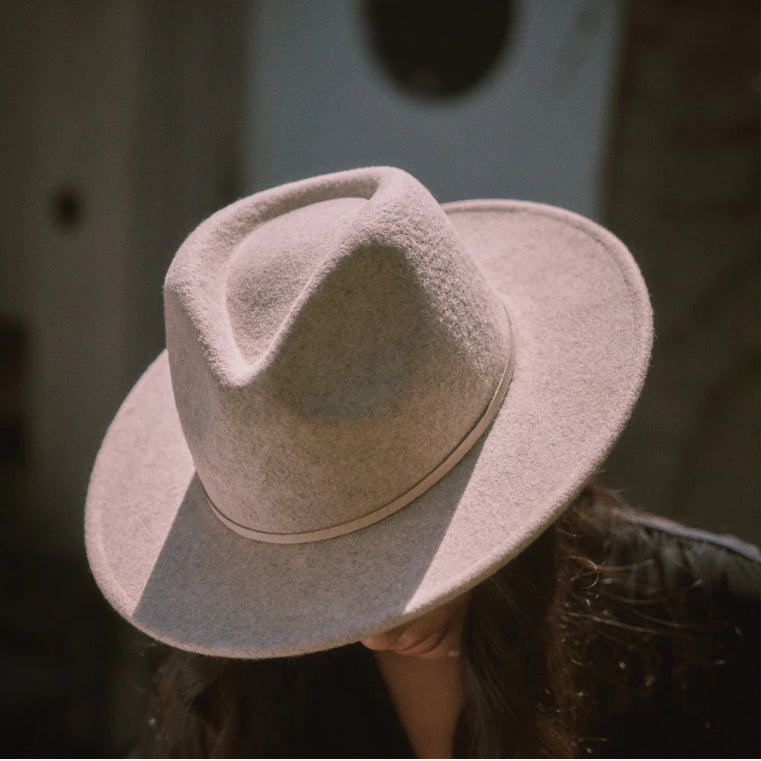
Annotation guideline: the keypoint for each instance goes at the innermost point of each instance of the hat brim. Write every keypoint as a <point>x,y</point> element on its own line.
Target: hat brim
<point>582,328</point>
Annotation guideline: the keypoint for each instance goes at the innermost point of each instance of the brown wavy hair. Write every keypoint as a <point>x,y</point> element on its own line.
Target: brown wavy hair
<point>549,639</point>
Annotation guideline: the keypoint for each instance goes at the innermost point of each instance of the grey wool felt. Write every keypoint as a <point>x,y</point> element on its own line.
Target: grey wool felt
<point>369,403</point>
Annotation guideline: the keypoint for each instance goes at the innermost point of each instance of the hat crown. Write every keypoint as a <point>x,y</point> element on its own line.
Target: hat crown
<point>330,344</point>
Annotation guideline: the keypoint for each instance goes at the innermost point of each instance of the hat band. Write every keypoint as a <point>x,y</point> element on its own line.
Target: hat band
<point>397,504</point>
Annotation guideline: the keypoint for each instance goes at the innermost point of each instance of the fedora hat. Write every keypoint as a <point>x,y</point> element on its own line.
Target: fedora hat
<point>368,403</point>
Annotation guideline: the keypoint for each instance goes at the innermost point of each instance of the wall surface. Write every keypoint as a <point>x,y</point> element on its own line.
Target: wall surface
<point>320,100</point>
<point>119,134</point>
<point>683,192</point>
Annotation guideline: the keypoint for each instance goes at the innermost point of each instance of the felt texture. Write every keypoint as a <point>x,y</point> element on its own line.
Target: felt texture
<point>331,354</point>
<point>330,342</point>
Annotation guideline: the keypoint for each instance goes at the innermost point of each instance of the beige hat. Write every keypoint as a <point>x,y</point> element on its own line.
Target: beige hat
<point>368,404</point>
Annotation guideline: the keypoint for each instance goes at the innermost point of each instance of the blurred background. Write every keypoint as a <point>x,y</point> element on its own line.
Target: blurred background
<point>126,122</point>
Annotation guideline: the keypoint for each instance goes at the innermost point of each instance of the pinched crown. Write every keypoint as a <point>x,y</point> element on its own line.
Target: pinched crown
<point>331,346</point>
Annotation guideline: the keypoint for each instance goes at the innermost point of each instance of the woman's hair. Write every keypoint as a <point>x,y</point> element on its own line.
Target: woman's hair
<point>547,639</point>
<point>521,641</point>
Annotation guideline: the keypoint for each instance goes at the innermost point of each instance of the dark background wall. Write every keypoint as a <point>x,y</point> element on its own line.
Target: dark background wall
<point>125,123</point>
<point>683,192</point>
<point>120,131</point>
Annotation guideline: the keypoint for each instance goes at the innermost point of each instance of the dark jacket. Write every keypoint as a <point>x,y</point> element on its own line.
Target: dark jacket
<point>710,706</point>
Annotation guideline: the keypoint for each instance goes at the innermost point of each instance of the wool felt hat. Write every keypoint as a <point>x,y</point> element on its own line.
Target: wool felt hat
<point>369,403</point>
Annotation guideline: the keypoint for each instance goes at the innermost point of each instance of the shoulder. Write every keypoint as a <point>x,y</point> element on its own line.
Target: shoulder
<point>690,601</point>
<point>665,527</point>
<point>663,552</point>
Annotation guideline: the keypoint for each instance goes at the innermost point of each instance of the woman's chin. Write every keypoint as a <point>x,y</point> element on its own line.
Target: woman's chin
<point>435,645</point>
